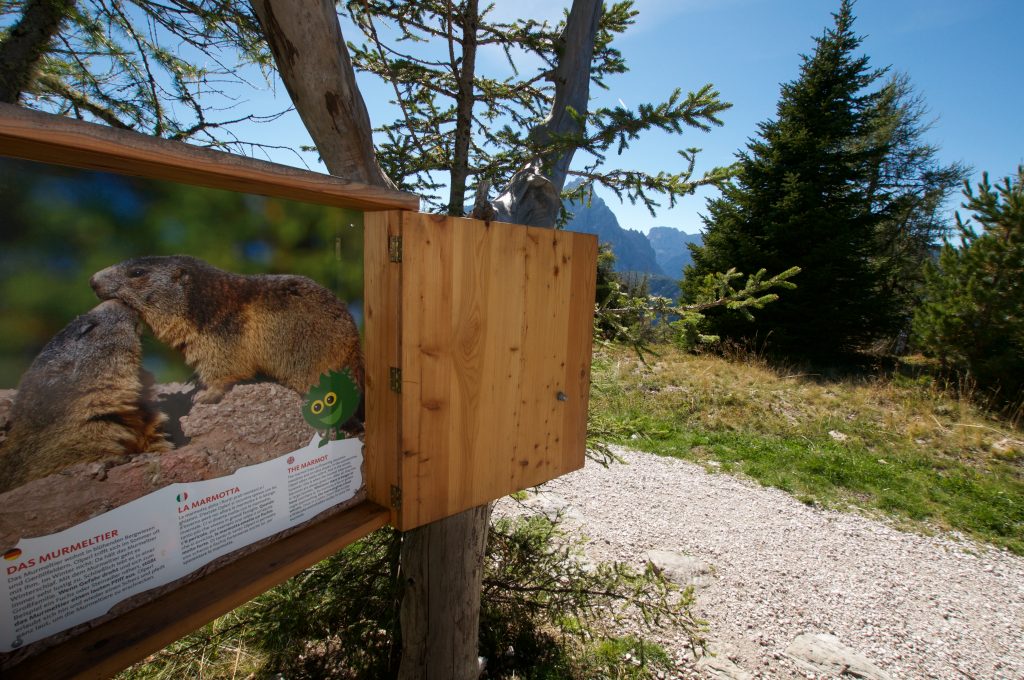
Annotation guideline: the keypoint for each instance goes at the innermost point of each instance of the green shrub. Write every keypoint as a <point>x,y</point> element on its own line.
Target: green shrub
<point>972,317</point>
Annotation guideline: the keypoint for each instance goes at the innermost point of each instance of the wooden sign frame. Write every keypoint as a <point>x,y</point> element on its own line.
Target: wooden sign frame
<point>468,397</point>
<point>111,646</point>
<point>34,136</point>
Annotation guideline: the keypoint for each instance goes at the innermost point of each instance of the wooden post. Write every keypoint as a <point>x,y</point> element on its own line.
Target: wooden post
<point>490,326</point>
<point>442,572</point>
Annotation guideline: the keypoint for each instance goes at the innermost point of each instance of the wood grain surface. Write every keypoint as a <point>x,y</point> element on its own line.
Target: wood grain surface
<point>36,136</point>
<point>381,297</point>
<point>496,340</point>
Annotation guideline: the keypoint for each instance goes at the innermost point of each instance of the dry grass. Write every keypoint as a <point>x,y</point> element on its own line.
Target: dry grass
<point>226,658</point>
<point>897,443</point>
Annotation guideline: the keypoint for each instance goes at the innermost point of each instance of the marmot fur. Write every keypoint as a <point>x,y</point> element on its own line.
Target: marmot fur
<point>82,399</point>
<point>233,327</point>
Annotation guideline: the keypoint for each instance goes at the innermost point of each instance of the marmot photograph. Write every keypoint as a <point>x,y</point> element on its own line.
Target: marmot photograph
<point>181,330</point>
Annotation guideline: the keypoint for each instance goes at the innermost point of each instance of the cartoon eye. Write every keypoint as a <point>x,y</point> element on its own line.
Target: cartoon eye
<point>317,407</point>
<point>330,398</point>
<point>137,272</point>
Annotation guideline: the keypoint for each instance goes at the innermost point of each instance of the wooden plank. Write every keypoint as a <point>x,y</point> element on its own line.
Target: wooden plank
<point>381,281</point>
<point>506,360</point>
<point>427,367</point>
<point>547,303</point>
<point>37,136</point>
<point>579,351</point>
<point>471,314</point>
<point>496,325</point>
<point>113,646</point>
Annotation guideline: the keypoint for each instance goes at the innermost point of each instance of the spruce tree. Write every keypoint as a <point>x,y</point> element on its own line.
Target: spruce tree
<point>908,194</point>
<point>972,316</point>
<point>816,189</point>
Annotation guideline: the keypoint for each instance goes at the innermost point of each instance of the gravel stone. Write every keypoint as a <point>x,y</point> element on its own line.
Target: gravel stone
<point>917,606</point>
<point>821,653</point>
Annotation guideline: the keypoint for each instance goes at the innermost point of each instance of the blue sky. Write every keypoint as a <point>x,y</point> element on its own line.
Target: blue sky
<point>963,58</point>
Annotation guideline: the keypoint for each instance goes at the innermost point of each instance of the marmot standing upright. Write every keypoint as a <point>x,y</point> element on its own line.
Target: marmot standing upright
<point>232,327</point>
<point>83,399</point>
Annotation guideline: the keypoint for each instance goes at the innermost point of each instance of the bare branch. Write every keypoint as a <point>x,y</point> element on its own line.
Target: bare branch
<point>572,86</point>
<point>465,73</point>
<point>533,195</point>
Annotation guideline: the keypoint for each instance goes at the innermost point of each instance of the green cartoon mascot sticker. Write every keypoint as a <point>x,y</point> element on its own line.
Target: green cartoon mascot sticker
<point>331,403</point>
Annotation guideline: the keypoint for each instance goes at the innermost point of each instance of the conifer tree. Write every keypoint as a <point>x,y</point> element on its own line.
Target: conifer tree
<point>908,194</point>
<point>161,68</point>
<point>972,316</point>
<point>822,188</point>
<point>459,124</point>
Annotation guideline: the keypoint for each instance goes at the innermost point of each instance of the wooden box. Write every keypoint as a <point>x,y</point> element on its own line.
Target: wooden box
<point>478,340</point>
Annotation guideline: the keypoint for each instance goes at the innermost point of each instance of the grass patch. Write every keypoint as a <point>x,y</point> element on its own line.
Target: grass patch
<point>902,447</point>
<point>629,657</point>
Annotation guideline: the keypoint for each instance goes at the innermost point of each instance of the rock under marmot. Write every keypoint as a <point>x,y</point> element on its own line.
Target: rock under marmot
<point>233,327</point>
<point>83,399</point>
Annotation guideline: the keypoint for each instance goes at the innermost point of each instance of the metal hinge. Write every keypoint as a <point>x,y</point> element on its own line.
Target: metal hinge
<point>396,379</point>
<point>396,497</point>
<point>395,248</point>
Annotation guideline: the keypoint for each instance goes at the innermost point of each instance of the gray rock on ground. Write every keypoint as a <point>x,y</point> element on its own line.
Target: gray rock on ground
<point>683,570</point>
<point>822,653</point>
<point>552,506</point>
<point>720,668</point>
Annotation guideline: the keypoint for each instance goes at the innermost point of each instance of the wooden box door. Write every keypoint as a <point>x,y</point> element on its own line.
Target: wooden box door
<point>487,359</point>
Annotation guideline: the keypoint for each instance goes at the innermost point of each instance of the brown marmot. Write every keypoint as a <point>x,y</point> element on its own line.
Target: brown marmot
<point>84,398</point>
<point>233,327</point>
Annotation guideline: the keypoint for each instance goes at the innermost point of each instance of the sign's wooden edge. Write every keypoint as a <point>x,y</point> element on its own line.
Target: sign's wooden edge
<point>115,645</point>
<point>381,307</point>
<point>37,136</point>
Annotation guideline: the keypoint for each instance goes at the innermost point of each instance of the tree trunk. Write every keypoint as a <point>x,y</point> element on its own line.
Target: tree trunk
<point>314,64</point>
<point>572,86</point>
<point>25,45</point>
<point>533,197</point>
<point>442,570</point>
<point>464,107</point>
<point>530,198</point>
<point>441,563</point>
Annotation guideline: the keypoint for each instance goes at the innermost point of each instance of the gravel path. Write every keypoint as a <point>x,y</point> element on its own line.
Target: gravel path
<point>915,606</point>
